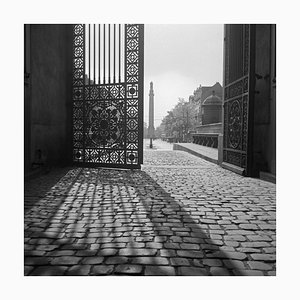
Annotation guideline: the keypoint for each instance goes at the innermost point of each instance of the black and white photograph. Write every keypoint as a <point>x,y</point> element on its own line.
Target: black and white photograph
<point>186,186</point>
<point>149,151</point>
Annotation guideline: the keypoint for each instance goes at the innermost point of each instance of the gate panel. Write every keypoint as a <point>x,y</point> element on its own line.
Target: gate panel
<point>108,95</point>
<point>238,94</point>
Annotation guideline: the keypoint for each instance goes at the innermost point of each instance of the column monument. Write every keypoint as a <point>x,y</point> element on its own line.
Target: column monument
<point>151,114</point>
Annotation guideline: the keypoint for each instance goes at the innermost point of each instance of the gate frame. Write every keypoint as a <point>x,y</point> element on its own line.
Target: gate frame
<point>241,168</point>
<point>140,101</point>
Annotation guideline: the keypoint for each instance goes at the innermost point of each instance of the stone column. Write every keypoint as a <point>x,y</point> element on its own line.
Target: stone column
<point>151,114</point>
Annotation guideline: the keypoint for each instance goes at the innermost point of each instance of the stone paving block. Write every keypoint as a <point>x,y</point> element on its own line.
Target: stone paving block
<point>223,222</point>
<point>192,240</point>
<point>113,245</point>
<point>102,270</point>
<point>230,227</point>
<point>167,252</point>
<point>92,260</point>
<point>150,260</point>
<point>255,244</point>
<point>27,270</point>
<point>183,234</point>
<point>36,261</point>
<point>208,221</point>
<point>94,246</point>
<point>189,246</point>
<point>227,249</point>
<point>257,265</point>
<point>271,250</point>
<point>258,238</point>
<point>267,226</point>
<point>136,245</point>
<point>234,264</point>
<point>129,269</point>
<point>121,240</point>
<point>74,247</point>
<point>241,272</point>
<point>176,239</point>
<point>87,240</point>
<point>178,261</point>
<point>272,273</point>
<point>49,271</point>
<point>216,237</point>
<point>115,260</point>
<point>182,229</point>
<point>159,271</point>
<point>61,253</point>
<point>28,247</point>
<point>216,232</point>
<point>190,254</point>
<point>248,250</point>
<point>218,271</point>
<point>212,262</point>
<point>214,242</point>
<point>43,241</point>
<point>238,238</point>
<point>34,253</point>
<point>150,239</point>
<point>228,255</point>
<point>248,226</point>
<point>166,233</point>
<point>137,252</point>
<point>79,270</point>
<point>172,245</point>
<point>263,257</point>
<point>65,260</point>
<point>192,271</point>
<point>86,252</point>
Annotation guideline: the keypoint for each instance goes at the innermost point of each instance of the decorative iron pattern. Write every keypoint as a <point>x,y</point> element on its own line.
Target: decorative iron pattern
<point>134,91</point>
<point>235,124</point>
<point>226,42</point>
<point>206,139</point>
<point>78,92</point>
<point>246,41</point>
<point>107,117</point>
<point>245,123</point>
<point>236,104</point>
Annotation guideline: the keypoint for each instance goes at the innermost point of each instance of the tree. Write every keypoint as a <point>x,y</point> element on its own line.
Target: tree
<point>179,121</point>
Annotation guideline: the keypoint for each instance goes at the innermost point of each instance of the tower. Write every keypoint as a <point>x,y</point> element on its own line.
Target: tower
<point>151,114</point>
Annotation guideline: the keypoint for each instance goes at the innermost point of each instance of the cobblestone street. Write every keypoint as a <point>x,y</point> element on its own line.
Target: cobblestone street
<point>178,215</point>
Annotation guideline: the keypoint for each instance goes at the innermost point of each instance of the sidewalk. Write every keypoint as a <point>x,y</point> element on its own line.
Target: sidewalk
<point>207,153</point>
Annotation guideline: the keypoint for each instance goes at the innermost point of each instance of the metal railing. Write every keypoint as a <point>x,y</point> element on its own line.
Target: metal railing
<point>206,139</point>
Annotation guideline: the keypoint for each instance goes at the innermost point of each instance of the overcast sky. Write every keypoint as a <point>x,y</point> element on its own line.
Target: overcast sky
<point>178,58</point>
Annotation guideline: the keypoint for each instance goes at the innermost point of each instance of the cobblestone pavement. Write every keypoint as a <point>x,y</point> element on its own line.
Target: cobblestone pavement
<point>179,215</point>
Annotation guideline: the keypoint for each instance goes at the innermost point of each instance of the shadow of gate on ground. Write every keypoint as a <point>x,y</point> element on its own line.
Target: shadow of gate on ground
<point>108,221</point>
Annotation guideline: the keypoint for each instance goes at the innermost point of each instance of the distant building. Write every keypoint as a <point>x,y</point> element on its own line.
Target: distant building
<point>212,110</point>
<point>200,94</point>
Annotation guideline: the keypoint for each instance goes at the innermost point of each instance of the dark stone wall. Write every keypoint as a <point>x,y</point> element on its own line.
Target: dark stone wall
<point>50,113</point>
<point>264,131</point>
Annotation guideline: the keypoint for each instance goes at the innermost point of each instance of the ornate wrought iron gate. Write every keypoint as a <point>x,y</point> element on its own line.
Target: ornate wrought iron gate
<point>238,97</point>
<point>108,95</point>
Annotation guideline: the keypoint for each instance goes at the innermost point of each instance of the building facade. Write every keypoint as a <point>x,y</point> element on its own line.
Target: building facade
<point>200,94</point>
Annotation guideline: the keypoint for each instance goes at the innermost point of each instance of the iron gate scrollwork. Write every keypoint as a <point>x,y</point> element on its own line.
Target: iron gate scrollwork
<point>237,96</point>
<point>108,95</point>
